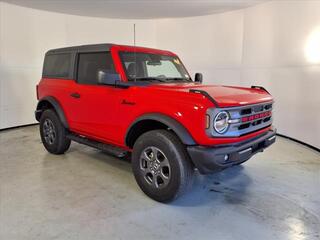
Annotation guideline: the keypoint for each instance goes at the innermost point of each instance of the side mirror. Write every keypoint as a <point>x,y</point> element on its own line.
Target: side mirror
<point>107,78</point>
<point>198,77</point>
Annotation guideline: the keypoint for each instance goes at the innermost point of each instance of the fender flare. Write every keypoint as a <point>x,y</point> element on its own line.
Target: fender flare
<point>173,124</point>
<point>57,107</point>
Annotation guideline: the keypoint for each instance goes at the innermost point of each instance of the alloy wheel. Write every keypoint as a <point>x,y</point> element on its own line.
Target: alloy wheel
<point>155,167</point>
<point>49,131</point>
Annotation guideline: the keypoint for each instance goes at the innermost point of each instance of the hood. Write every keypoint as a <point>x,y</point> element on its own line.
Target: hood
<point>225,96</point>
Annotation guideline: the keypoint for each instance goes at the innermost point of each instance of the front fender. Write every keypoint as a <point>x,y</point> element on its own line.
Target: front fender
<point>173,124</point>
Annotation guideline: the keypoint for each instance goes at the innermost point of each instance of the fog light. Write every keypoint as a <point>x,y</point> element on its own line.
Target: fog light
<point>226,157</point>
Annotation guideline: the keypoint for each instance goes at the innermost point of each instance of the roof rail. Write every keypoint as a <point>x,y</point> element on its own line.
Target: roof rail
<point>204,93</point>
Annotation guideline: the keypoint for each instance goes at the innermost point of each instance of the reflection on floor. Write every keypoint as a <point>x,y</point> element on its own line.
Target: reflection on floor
<point>86,194</point>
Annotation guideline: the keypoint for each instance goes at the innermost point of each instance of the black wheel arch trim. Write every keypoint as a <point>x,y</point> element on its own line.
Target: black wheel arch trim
<point>173,124</point>
<point>57,107</point>
<point>259,87</point>
<point>207,95</point>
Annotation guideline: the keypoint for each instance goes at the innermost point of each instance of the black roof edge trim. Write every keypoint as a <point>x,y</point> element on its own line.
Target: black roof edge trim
<point>259,87</point>
<point>82,48</point>
<point>204,93</point>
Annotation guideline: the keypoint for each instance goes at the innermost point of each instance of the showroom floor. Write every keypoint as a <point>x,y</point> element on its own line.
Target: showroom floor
<point>86,194</point>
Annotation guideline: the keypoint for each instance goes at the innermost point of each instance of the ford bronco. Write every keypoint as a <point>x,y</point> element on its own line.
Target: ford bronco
<point>142,102</point>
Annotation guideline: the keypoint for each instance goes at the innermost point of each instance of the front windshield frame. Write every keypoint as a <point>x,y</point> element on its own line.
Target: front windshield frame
<point>184,75</point>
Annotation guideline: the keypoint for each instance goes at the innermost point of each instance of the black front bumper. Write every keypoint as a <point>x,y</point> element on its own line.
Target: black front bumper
<point>211,159</point>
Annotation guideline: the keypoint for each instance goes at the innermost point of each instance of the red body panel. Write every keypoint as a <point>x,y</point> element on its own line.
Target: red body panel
<point>101,114</point>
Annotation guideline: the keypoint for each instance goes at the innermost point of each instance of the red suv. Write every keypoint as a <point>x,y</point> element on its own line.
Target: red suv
<point>142,102</point>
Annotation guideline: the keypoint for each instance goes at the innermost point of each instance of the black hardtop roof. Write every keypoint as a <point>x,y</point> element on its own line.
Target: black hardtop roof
<point>94,48</point>
<point>83,48</point>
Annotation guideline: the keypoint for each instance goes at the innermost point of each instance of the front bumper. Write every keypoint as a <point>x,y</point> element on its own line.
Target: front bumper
<point>211,159</point>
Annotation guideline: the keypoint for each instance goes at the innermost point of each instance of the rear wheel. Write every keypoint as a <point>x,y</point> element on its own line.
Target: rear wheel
<point>53,133</point>
<point>161,165</point>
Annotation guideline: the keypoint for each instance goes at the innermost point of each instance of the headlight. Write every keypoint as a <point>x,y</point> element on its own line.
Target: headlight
<point>220,122</point>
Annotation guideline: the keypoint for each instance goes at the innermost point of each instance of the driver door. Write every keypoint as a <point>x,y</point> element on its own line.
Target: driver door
<point>93,106</point>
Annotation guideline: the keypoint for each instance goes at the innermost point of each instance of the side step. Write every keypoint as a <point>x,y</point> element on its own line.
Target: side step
<point>113,150</point>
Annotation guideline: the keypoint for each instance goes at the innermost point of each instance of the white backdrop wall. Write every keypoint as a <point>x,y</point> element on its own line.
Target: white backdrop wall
<point>208,44</point>
<point>275,44</point>
<point>268,44</point>
<point>26,34</point>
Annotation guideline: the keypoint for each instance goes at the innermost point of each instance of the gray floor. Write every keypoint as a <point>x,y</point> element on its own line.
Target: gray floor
<point>86,194</point>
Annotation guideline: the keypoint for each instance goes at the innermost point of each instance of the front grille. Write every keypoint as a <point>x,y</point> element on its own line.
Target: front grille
<point>266,119</point>
<point>252,118</point>
<point>246,111</point>
<point>251,111</point>
<point>255,109</point>
<point>268,106</point>
<point>258,108</point>
<point>256,117</point>
<point>244,126</point>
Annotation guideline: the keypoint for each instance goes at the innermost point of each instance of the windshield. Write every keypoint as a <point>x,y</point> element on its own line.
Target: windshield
<point>153,67</point>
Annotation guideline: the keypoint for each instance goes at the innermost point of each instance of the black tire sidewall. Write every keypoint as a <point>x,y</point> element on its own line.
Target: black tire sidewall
<point>169,144</point>
<point>61,143</point>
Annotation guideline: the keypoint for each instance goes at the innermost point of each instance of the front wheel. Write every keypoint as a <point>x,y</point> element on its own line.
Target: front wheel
<point>161,165</point>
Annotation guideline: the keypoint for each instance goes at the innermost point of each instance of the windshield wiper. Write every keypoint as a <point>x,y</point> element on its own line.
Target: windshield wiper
<point>149,79</point>
<point>179,79</point>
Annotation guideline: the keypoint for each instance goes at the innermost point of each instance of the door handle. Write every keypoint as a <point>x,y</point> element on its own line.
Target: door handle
<point>124,101</point>
<point>75,95</point>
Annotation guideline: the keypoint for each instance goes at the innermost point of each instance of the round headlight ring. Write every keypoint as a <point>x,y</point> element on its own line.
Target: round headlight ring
<point>220,122</point>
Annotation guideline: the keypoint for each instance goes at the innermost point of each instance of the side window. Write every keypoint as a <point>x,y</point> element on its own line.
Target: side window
<point>89,64</point>
<point>57,65</point>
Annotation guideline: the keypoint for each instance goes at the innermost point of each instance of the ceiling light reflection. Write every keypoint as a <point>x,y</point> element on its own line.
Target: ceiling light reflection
<point>312,48</point>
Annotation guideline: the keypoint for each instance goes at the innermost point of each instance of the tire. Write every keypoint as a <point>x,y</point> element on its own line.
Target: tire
<point>53,133</point>
<point>166,176</point>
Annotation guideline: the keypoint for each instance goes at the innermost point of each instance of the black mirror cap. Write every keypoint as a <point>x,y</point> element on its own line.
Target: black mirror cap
<point>198,77</point>
<point>107,78</point>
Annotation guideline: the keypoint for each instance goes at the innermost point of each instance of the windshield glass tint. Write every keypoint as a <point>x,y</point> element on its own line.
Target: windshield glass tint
<point>146,66</point>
